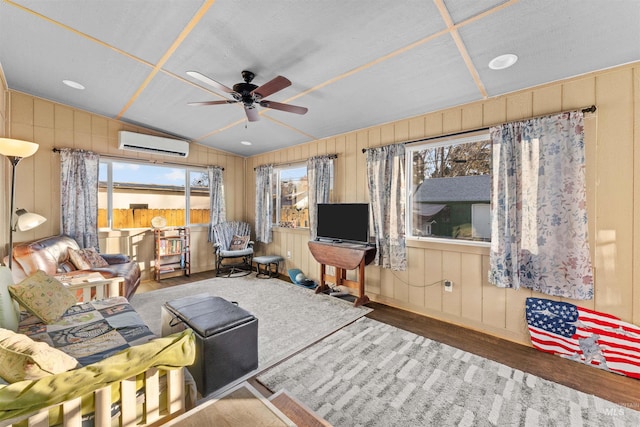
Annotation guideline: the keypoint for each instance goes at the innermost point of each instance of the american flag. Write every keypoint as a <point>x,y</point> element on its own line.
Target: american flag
<point>584,335</point>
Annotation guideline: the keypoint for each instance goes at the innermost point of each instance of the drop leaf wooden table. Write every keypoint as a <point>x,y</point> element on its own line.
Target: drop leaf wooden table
<point>343,256</point>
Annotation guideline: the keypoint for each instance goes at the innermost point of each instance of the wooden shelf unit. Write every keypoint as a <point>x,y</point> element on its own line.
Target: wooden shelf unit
<point>173,251</point>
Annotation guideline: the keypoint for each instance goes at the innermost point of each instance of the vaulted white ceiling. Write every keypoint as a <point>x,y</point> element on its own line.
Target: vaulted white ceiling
<point>353,64</point>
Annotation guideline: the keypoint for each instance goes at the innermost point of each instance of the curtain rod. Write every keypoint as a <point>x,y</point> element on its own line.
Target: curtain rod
<point>160,162</point>
<point>331,156</point>
<point>590,109</point>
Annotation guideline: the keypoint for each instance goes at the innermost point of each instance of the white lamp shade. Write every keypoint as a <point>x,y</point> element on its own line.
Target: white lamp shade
<point>27,220</point>
<point>17,147</point>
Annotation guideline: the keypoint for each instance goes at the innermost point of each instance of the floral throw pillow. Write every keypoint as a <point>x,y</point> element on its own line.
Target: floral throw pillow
<point>94,258</point>
<point>239,243</point>
<point>43,295</point>
<point>78,259</point>
<point>21,358</point>
<point>85,259</point>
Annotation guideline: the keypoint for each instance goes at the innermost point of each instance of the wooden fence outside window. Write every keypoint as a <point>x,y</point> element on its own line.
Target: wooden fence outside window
<point>141,218</point>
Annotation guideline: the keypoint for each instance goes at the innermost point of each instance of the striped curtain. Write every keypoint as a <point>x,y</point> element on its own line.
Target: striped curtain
<point>79,196</point>
<point>217,210</point>
<point>264,206</point>
<point>320,176</point>
<point>539,224</point>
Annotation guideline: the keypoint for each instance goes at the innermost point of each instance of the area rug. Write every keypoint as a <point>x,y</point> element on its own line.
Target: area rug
<point>373,374</point>
<point>290,317</point>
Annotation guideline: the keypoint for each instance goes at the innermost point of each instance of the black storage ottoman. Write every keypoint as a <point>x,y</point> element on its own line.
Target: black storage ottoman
<point>226,339</point>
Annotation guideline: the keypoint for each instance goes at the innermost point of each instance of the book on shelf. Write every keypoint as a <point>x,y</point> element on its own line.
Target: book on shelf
<point>170,246</point>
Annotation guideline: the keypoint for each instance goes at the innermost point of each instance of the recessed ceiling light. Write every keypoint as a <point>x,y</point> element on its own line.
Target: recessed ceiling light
<point>245,143</point>
<point>503,61</point>
<point>73,84</point>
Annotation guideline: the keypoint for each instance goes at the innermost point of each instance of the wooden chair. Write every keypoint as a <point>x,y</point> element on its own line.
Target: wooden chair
<point>230,261</point>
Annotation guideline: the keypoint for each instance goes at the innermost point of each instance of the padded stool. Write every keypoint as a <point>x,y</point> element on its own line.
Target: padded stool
<point>267,266</point>
<point>226,338</point>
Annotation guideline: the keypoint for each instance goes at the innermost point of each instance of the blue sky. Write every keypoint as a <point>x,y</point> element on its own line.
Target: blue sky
<point>143,174</point>
<point>295,173</point>
<point>166,175</point>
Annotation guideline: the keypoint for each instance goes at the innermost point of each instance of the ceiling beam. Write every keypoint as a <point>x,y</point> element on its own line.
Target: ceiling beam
<point>158,66</point>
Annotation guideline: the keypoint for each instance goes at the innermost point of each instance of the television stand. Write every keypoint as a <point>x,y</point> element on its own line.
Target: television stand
<point>343,257</point>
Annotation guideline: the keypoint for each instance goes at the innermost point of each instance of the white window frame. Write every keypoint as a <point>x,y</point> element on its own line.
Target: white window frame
<point>278,196</point>
<point>109,161</point>
<point>410,148</point>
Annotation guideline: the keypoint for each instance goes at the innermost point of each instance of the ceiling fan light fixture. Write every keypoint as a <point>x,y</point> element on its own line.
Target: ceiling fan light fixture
<point>503,61</point>
<point>73,84</point>
<point>250,95</point>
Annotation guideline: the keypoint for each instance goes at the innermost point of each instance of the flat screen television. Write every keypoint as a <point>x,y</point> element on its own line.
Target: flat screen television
<point>343,222</point>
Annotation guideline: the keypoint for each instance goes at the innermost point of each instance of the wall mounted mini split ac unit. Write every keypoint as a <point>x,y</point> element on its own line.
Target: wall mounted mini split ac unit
<point>152,144</point>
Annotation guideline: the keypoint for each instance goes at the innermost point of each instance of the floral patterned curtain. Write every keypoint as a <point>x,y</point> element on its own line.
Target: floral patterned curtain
<point>320,175</point>
<point>539,213</point>
<point>386,177</point>
<point>79,196</point>
<point>217,209</point>
<point>264,207</point>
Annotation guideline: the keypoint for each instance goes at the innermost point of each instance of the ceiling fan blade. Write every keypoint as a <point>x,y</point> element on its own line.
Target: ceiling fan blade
<point>228,101</point>
<point>284,107</point>
<point>252,114</point>
<point>272,86</point>
<point>210,82</point>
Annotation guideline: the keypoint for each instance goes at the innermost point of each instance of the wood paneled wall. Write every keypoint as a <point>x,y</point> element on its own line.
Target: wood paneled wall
<point>613,175</point>
<point>612,134</point>
<point>38,177</point>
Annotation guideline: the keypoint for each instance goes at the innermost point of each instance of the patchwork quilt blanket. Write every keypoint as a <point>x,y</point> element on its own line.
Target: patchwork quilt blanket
<point>91,331</point>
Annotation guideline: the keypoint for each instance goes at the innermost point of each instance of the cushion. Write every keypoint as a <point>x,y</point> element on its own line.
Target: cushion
<point>85,259</point>
<point>94,258</point>
<point>21,358</point>
<point>8,311</point>
<point>78,259</point>
<point>65,267</point>
<point>44,296</point>
<point>238,243</point>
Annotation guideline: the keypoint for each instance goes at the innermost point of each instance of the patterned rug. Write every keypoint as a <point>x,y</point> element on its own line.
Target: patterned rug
<point>290,317</point>
<point>373,374</point>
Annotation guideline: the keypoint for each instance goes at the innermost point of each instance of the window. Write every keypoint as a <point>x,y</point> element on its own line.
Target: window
<point>450,188</point>
<point>290,195</point>
<point>198,201</point>
<point>130,194</point>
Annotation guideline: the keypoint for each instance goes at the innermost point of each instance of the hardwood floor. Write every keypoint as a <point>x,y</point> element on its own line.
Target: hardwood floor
<point>619,389</point>
<point>622,390</point>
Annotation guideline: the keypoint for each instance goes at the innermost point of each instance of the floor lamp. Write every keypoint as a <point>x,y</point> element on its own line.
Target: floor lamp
<point>15,150</point>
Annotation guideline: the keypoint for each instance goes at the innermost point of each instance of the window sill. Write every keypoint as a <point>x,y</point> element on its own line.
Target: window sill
<point>299,230</point>
<point>468,246</point>
<point>129,231</point>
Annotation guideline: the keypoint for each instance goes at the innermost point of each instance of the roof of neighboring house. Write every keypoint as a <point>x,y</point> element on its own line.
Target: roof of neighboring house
<point>473,188</point>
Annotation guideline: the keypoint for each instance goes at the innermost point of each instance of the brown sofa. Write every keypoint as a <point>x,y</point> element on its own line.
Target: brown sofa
<point>51,255</point>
